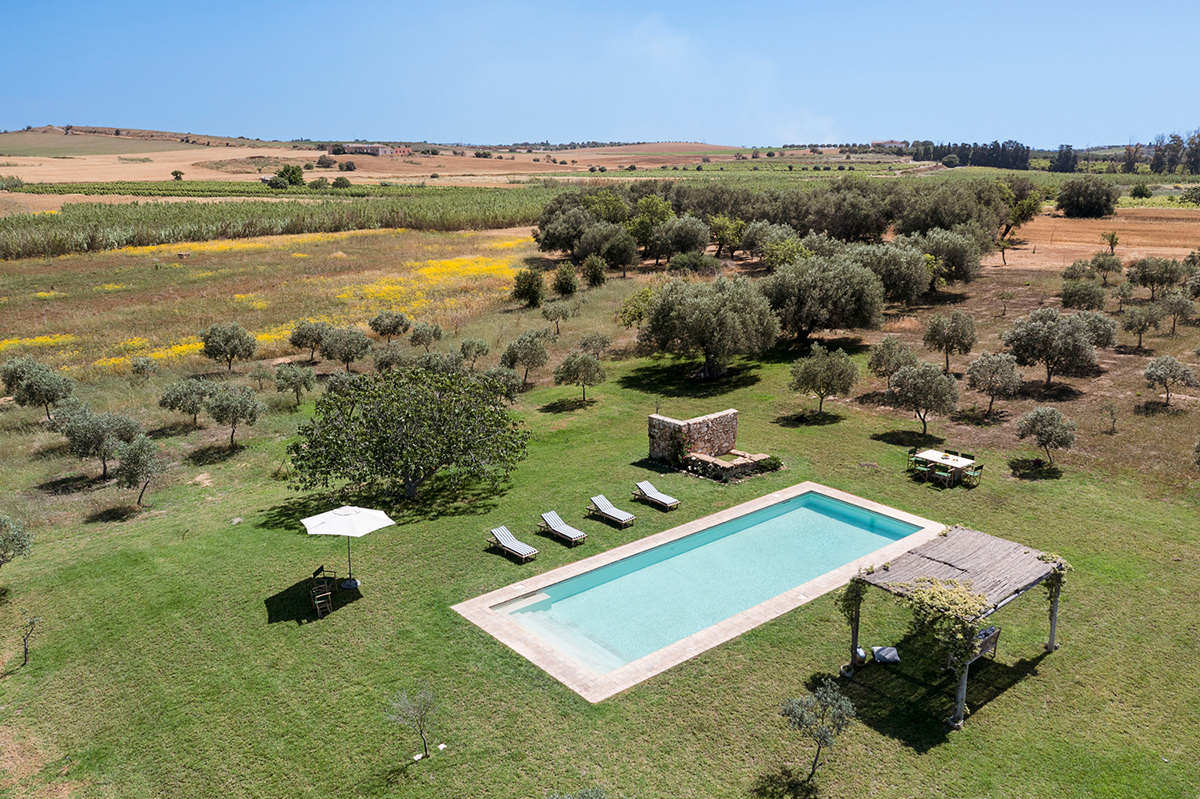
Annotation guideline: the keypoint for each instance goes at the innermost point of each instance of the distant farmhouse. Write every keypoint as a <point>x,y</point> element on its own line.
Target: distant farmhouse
<point>887,144</point>
<point>375,149</point>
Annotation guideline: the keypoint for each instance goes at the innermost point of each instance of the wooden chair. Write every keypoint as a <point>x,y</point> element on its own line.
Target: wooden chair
<point>944,476</point>
<point>972,476</point>
<point>951,452</point>
<point>322,601</point>
<point>967,455</point>
<point>922,471</point>
<point>325,579</point>
<point>912,458</point>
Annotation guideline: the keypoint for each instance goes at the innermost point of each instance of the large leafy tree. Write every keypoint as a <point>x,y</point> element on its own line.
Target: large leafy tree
<point>1088,197</point>
<point>309,335</point>
<point>227,342</point>
<point>405,426</point>
<point>528,351</point>
<point>1061,343</point>
<point>95,435</point>
<point>389,324</point>
<point>925,391</point>
<point>719,320</point>
<point>35,384</point>
<point>294,379</point>
<point>1141,320</point>
<point>824,373</point>
<point>1156,273</point>
<point>822,293</point>
<point>140,462</point>
<point>652,211</point>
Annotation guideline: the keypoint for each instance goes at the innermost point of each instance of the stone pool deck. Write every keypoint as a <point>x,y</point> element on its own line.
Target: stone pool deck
<point>596,687</point>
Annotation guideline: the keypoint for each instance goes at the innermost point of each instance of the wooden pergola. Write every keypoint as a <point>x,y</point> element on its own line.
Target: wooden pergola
<point>999,569</point>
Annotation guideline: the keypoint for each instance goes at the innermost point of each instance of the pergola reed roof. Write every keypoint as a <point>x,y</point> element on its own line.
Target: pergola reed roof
<point>999,569</point>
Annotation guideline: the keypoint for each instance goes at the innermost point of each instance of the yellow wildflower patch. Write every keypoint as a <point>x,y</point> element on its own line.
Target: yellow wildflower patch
<point>110,287</point>
<point>118,364</point>
<point>180,350</point>
<point>299,255</point>
<point>55,340</point>
<point>509,243</point>
<point>274,334</point>
<point>49,295</point>
<point>135,343</point>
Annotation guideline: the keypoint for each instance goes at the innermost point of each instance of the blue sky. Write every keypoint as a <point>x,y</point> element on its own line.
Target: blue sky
<point>771,73</point>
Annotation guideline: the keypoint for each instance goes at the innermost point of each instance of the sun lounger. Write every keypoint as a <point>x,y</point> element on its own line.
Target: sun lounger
<point>649,493</point>
<point>505,540</point>
<point>553,523</point>
<point>602,507</point>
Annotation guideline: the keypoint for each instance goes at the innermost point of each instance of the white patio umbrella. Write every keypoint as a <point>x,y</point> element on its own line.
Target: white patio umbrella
<point>349,521</point>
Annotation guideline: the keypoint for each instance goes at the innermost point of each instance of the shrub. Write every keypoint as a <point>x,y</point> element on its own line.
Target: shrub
<point>565,281</point>
<point>341,182</point>
<point>325,161</point>
<point>347,166</point>
<point>1141,191</point>
<point>594,271</point>
<point>318,184</point>
<point>1191,195</point>
<point>529,288</point>
<point>1080,270</point>
<point>695,262</point>
<point>1088,197</point>
<point>1083,294</point>
<point>278,182</point>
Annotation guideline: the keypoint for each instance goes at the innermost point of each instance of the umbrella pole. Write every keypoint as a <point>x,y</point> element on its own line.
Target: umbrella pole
<point>349,565</point>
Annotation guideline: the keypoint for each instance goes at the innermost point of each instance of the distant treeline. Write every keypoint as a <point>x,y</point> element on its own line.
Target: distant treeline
<point>1002,155</point>
<point>574,145</point>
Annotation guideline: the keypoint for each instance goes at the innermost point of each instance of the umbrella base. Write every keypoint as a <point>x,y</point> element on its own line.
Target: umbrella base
<point>350,584</point>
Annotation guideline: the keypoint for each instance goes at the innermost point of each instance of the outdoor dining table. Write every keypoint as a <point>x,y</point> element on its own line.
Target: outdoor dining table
<point>955,462</point>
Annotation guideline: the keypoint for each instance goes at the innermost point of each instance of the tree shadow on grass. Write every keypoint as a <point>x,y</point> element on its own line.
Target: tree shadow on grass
<point>877,398</point>
<point>657,467</point>
<point>670,378</point>
<point>119,513</point>
<point>807,419</point>
<point>171,430</point>
<point>909,701</point>
<point>1156,408</point>
<point>908,438</point>
<point>1055,392</point>
<point>439,499</point>
<point>213,453</point>
<point>75,484</point>
<point>566,404</point>
<point>784,783</point>
<point>979,418</point>
<point>294,603</point>
<point>1033,469</point>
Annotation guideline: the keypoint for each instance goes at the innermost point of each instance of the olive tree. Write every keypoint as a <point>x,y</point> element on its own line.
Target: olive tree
<point>292,378</point>
<point>718,320</point>
<point>527,351</point>
<point>1166,371</point>
<point>950,335</point>
<point>1061,343</point>
<point>1049,429</point>
<point>140,461</point>
<point>1105,264</point>
<point>425,335</point>
<point>822,293</point>
<point>1122,294</point>
<point>345,345</point>
<point>95,435</point>
<point>556,312</point>
<point>1141,320</point>
<point>1085,294</point>
<point>234,405</point>
<point>1177,306</point>
<point>1156,274</point>
<point>925,391</point>
<point>652,212</point>
<point>406,426</point>
<point>187,397</point>
<point>227,342</point>
<point>820,717</point>
<point>566,283</point>
<point>33,384</point>
<point>15,539</point>
<point>595,343</point>
<point>308,335</point>
<point>415,712</point>
<point>824,373</point>
<point>890,356</point>
<point>901,269</point>
<point>141,369</point>
<point>472,349</point>
<point>582,369</point>
<point>389,323</point>
<point>994,374</point>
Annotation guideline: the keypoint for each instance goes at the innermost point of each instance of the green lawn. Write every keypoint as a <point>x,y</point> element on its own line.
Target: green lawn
<point>176,655</point>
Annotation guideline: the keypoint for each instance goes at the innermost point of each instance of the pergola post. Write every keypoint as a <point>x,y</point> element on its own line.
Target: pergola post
<point>960,700</point>
<point>1051,645</point>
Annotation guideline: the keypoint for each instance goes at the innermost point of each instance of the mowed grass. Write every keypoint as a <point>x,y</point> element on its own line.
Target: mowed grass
<point>177,656</point>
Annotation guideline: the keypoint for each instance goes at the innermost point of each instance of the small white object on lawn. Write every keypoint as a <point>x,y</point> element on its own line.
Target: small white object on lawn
<point>441,747</point>
<point>418,757</point>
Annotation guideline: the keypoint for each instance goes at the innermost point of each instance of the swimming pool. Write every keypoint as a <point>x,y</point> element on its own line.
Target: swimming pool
<point>614,619</point>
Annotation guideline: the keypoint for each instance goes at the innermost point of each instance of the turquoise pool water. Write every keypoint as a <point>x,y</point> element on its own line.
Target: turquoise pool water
<point>623,611</point>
